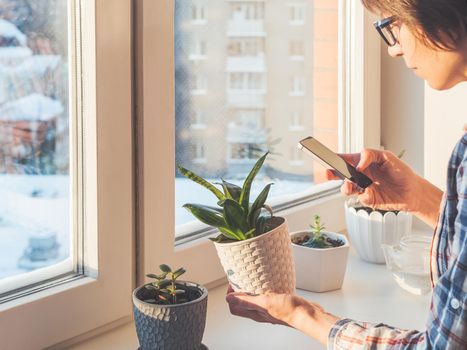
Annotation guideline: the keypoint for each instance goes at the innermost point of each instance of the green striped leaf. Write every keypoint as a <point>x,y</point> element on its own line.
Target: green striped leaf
<point>230,234</point>
<point>199,180</point>
<point>245,194</point>
<point>258,204</point>
<point>233,190</point>
<point>235,216</point>
<point>208,215</point>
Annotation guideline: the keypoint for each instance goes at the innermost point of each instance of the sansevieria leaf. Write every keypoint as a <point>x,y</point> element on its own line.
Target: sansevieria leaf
<point>235,216</point>
<point>258,204</point>
<point>198,179</point>
<point>208,215</point>
<point>245,194</point>
<point>230,234</point>
<point>232,189</point>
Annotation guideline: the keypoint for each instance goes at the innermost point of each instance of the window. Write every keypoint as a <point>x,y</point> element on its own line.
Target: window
<point>296,123</point>
<point>246,81</point>
<point>247,10</point>
<point>66,82</point>
<point>296,51</point>
<point>199,50</point>
<point>198,153</point>
<point>200,85</point>
<point>297,86</point>
<point>198,120</point>
<point>232,145</point>
<point>297,14</point>
<point>245,47</point>
<point>198,14</point>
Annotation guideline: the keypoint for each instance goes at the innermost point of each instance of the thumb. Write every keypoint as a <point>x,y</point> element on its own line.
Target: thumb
<point>368,157</point>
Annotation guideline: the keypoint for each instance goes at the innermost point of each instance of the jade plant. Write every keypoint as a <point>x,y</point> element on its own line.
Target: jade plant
<point>165,286</point>
<point>317,238</point>
<point>235,217</point>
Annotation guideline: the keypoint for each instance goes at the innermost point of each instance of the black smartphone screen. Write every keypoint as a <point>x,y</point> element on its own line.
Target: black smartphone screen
<point>331,159</point>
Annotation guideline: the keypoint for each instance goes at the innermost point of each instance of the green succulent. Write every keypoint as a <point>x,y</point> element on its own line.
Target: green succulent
<point>318,239</point>
<point>165,287</point>
<point>235,217</point>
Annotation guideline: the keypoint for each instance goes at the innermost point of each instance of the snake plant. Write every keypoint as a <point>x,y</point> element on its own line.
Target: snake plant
<point>235,217</point>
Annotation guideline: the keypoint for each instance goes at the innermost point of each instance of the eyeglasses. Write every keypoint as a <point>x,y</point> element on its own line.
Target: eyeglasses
<point>385,29</point>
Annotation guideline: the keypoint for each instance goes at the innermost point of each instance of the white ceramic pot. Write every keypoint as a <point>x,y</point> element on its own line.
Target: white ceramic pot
<point>368,231</point>
<point>260,264</point>
<point>320,270</point>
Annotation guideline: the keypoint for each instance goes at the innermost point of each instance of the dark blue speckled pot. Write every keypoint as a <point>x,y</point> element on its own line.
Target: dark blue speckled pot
<point>170,327</point>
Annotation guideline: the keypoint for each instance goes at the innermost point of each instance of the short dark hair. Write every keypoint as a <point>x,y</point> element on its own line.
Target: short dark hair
<point>443,23</point>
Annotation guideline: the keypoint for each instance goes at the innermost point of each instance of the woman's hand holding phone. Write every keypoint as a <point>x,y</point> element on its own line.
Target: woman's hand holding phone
<point>395,185</point>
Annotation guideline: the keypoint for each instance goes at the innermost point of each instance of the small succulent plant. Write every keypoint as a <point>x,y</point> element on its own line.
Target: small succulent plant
<point>165,286</point>
<point>316,238</point>
<point>235,217</point>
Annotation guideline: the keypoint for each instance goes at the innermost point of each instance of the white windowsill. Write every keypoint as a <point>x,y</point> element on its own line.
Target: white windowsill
<point>369,293</point>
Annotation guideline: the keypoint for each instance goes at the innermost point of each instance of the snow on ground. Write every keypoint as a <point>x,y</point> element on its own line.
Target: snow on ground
<point>35,204</point>
<point>31,205</point>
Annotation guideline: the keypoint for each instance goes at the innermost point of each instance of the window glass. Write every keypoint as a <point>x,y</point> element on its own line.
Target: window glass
<point>35,205</point>
<point>258,98</point>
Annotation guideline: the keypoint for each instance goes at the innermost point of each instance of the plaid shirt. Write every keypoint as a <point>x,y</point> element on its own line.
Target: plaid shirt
<point>447,321</point>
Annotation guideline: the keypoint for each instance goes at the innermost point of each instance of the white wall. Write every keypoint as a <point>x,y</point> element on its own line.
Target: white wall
<point>445,118</point>
<point>402,110</point>
<point>425,122</point>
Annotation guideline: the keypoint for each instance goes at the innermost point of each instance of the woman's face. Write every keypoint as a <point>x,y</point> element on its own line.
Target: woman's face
<point>440,69</point>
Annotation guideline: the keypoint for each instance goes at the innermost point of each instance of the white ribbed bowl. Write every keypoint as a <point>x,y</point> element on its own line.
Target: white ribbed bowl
<point>368,231</point>
<point>260,264</point>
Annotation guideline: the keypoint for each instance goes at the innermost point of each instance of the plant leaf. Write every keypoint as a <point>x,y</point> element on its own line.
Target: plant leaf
<point>233,190</point>
<point>179,291</point>
<point>244,199</point>
<point>221,238</point>
<point>229,234</point>
<point>235,216</point>
<point>269,209</point>
<point>258,204</point>
<point>208,215</point>
<point>178,272</point>
<point>165,268</point>
<point>199,180</point>
<point>151,275</point>
<point>260,225</point>
<point>250,234</point>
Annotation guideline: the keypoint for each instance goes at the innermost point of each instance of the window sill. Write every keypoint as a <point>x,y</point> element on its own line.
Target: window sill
<point>369,293</point>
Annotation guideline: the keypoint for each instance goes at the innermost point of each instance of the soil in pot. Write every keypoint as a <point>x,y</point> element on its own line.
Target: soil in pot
<point>370,210</point>
<point>309,240</point>
<point>191,293</point>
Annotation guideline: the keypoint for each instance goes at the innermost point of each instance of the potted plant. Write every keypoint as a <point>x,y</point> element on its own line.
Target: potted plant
<point>253,245</point>
<point>369,228</point>
<point>170,314</point>
<point>320,258</point>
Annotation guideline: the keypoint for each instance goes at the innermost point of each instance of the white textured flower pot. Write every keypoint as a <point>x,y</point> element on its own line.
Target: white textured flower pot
<point>260,264</point>
<point>368,231</point>
<point>320,270</point>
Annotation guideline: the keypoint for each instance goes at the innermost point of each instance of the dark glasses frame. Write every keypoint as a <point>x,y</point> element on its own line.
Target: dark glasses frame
<point>384,24</point>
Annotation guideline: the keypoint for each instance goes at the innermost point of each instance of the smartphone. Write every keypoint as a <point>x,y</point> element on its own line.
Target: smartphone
<point>330,159</point>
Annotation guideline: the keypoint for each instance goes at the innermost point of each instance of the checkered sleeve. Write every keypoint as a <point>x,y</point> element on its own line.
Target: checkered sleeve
<point>447,320</point>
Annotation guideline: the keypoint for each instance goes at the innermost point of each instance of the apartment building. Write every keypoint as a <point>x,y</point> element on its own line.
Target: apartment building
<point>253,75</point>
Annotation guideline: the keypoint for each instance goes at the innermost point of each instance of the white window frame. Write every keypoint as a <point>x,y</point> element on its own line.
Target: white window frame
<point>294,10</point>
<point>157,113</point>
<point>102,296</point>
<point>297,87</point>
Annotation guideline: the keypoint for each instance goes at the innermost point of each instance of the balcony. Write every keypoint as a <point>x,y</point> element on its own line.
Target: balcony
<point>245,98</point>
<point>246,133</point>
<point>245,28</point>
<point>246,64</point>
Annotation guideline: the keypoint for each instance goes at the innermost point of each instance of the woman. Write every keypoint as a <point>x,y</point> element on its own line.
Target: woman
<point>431,36</point>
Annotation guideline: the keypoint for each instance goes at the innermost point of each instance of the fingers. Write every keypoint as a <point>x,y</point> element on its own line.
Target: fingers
<point>348,188</point>
<point>332,175</point>
<point>368,157</point>
<point>351,158</point>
